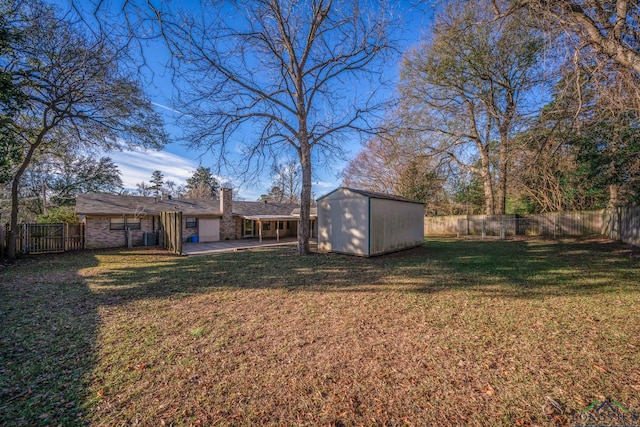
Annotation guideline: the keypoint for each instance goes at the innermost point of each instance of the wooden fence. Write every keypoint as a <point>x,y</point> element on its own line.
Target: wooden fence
<point>584,223</point>
<point>45,238</point>
<point>171,223</point>
<point>624,224</point>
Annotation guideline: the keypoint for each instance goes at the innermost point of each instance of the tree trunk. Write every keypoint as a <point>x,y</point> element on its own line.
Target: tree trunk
<point>501,207</point>
<point>613,196</point>
<point>305,197</point>
<point>13,222</point>
<point>487,182</point>
<point>15,186</point>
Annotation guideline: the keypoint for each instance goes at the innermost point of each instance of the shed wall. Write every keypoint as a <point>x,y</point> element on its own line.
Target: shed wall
<point>395,225</point>
<point>343,222</point>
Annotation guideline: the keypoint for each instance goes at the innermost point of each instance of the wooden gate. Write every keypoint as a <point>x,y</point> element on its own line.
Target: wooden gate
<point>49,238</point>
<point>171,223</point>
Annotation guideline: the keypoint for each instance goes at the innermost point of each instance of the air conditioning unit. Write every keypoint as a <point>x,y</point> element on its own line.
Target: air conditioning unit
<point>150,238</point>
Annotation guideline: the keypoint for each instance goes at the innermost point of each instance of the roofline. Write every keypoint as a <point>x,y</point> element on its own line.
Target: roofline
<point>145,214</point>
<point>272,217</point>
<point>374,196</point>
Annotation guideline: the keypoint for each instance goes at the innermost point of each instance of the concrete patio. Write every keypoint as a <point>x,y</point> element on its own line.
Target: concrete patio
<point>233,245</point>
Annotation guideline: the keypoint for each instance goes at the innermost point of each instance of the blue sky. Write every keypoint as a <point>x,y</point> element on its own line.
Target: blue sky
<point>177,162</point>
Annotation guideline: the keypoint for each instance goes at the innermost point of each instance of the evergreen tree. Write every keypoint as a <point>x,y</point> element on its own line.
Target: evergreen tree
<point>157,181</point>
<point>202,185</point>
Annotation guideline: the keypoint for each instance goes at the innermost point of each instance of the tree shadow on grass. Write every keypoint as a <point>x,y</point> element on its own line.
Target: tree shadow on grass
<point>49,310</point>
<point>48,328</point>
<point>518,269</point>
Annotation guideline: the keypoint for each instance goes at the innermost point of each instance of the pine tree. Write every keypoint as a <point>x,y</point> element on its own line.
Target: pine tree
<point>156,182</point>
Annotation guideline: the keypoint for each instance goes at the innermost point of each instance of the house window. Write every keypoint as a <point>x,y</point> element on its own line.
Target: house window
<point>288,225</point>
<point>266,226</point>
<point>117,224</point>
<point>192,222</point>
<point>133,223</point>
<point>122,223</point>
<point>281,225</point>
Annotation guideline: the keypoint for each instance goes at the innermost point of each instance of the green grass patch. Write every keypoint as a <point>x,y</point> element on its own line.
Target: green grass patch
<point>452,333</point>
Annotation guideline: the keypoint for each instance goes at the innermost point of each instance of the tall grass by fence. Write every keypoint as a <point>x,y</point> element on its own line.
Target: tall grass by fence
<point>45,238</point>
<point>622,223</point>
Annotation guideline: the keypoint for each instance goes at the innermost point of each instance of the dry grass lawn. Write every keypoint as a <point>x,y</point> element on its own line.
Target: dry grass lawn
<point>451,333</point>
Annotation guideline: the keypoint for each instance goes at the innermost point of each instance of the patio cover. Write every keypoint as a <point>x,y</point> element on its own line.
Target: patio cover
<point>268,218</point>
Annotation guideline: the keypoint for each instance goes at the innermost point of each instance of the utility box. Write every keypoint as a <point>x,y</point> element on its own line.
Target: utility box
<point>150,238</point>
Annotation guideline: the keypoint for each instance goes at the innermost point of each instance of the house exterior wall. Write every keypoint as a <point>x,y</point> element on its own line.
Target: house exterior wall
<point>343,223</point>
<point>98,234</point>
<point>188,233</point>
<point>395,225</point>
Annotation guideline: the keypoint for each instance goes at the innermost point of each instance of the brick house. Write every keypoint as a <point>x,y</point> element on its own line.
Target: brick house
<point>108,216</point>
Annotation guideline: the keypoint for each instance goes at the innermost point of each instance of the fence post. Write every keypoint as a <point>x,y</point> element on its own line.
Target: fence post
<point>611,226</point>
<point>502,229</point>
<point>25,240</point>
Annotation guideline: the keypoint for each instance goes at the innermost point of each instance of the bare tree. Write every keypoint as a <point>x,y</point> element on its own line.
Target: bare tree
<point>286,176</point>
<point>76,94</point>
<point>610,28</point>
<point>465,91</point>
<point>375,168</point>
<point>383,167</point>
<point>143,189</point>
<point>274,77</point>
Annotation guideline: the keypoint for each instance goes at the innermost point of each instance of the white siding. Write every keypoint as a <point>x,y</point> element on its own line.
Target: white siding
<point>395,225</point>
<point>343,223</point>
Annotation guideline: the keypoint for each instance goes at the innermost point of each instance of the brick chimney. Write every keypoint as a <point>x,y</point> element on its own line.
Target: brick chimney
<point>227,223</point>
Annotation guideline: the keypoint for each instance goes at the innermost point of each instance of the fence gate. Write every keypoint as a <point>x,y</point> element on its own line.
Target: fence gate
<point>171,223</point>
<point>49,238</point>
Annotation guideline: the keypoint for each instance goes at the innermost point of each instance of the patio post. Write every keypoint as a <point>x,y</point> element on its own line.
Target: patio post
<point>260,230</point>
<point>277,231</point>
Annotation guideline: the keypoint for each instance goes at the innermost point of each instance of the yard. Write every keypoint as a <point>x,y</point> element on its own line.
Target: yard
<point>455,332</point>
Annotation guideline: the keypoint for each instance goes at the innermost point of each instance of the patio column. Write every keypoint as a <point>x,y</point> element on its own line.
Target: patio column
<point>260,230</point>
<point>277,231</point>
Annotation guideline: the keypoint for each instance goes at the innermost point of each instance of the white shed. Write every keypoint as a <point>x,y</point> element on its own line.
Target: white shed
<point>365,223</point>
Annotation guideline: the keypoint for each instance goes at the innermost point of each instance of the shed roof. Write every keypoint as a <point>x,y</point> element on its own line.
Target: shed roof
<point>116,204</point>
<point>373,195</point>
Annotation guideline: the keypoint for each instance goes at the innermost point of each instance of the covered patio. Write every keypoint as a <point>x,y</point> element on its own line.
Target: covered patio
<point>279,220</point>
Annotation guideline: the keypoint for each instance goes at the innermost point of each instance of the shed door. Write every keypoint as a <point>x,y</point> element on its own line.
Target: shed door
<point>209,230</point>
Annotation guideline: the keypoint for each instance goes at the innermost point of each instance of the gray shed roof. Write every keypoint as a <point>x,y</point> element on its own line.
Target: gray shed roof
<point>374,195</point>
<point>115,204</point>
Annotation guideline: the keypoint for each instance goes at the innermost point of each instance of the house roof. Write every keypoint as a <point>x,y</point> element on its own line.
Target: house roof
<point>246,209</point>
<point>116,204</point>
<point>374,195</point>
<point>313,213</point>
